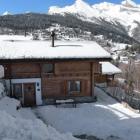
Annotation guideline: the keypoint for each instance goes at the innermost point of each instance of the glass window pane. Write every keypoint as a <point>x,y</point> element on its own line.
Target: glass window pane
<point>17,91</point>
<point>78,85</point>
<point>48,68</point>
<point>74,86</point>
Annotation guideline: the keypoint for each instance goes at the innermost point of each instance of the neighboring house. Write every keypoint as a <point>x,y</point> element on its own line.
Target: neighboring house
<point>108,73</point>
<point>37,70</point>
<point>124,59</point>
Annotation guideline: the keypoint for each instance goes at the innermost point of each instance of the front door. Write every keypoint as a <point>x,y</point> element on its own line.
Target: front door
<point>29,94</point>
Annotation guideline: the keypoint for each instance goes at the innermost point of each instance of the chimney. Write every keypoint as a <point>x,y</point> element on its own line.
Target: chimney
<point>53,37</point>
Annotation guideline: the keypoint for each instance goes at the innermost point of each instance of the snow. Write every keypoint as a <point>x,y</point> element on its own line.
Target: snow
<point>124,59</point>
<point>126,13</point>
<point>9,105</point>
<point>14,37</point>
<point>21,49</point>
<point>109,68</point>
<point>22,129</point>
<point>65,101</point>
<point>121,80</point>
<point>23,124</point>
<point>104,118</point>
<point>6,13</point>
<point>118,46</point>
<point>78,7</point>
<point>129,3</point>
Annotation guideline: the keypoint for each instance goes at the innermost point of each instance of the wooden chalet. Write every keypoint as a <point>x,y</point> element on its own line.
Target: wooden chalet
<point>39,70</point>
<point>108,73</point>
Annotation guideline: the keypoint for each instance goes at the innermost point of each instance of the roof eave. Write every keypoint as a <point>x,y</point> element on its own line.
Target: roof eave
<point>53,59</point>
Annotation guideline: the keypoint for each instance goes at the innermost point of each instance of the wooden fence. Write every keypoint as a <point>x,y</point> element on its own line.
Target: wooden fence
<point>120,95</point>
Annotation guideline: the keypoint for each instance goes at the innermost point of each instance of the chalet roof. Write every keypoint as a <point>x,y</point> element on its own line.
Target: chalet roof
<point>109,68</point>
<point>28,49</point>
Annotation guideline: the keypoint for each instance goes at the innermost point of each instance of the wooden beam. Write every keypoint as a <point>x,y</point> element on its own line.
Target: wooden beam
<point>39,60</point>
<point>91,79</point>
<point>10,76</point>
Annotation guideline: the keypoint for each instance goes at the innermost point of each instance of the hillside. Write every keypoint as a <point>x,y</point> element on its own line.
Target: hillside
<point>126,13</point>
<point>111,25</point>
<point>68,26</point>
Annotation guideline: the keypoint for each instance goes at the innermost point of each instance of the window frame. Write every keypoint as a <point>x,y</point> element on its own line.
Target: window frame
<point>14,94</point>
<point>52,72</point>
<point>74,91</point>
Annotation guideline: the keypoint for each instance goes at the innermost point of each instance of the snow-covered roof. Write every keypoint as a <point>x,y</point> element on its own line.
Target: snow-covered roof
<point>14,37</point>
<point>29,49</point>
<point>109,68</point>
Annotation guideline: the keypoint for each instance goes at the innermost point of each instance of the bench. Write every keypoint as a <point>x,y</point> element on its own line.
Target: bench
<point>65,101</point>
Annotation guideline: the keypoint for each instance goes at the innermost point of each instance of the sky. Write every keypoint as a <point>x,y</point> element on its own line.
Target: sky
<point>41,6</point>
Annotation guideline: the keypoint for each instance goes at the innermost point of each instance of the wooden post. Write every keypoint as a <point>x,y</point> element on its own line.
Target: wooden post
<point>40,68</point>
<point>91,79</point>
<point>10,77</point>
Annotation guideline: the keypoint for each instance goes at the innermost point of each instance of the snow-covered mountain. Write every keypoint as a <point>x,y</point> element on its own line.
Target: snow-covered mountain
<point>108,22</point>
<point>127,13</point>
<point>6,13</point>
<point>79,7</point>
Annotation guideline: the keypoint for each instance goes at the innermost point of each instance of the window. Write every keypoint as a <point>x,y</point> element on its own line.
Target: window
<point>48,68</point>
<point>74,86</point>
<point>17,91</point>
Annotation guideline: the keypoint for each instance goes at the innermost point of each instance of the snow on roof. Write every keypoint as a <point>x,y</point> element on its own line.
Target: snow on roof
<point>27,49</point>
<point>109,68</point>
<point>14,37</point>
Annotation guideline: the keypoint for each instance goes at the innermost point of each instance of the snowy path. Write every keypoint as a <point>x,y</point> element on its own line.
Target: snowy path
<point>102,119</point>
<point>23,124</point>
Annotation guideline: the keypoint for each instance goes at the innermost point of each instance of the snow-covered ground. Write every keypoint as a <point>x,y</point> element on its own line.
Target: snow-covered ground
<point>102,119</point>
<point>23,124</point>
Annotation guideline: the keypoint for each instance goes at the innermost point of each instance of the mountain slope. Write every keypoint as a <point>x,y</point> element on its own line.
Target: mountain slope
<point>126,13</point>
<point>112,22</point>
<point>79,7</point>
<point>6,13</point>
<point>69,24</point>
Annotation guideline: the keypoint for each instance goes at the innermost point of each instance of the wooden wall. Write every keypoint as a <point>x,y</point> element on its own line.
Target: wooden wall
<point>55,85</point>
<point>25,70</point>
<point>22,70</point>
<point>99,78</point>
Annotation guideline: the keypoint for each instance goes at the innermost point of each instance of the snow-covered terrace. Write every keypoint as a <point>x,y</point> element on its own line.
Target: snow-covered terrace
<point>106,119</point>
<point>28,49</point>
<point>109,68</point>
